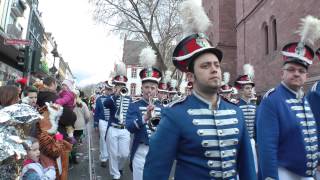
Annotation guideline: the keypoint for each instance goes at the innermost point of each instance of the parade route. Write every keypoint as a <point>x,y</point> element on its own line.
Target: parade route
<point>82,171</point>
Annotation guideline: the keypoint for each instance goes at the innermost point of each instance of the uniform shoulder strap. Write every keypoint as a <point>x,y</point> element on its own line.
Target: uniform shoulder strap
<point>177,101</point>
<point>314,87</point>
<point>232,101</point>
<point>270,91</point>
<point>135,100</point>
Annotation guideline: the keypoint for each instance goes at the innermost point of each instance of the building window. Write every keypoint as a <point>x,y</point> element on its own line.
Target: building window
<point>133,72</point>
<point>274,33</point>
<point>133,89</point>
<point>266,38</point>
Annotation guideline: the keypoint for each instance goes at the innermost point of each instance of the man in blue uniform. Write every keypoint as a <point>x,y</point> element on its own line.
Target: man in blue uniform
<point>118,137</point>
<point>172,90</point>
<point>245,85</point>
<point>138,119</point>
<point>314,95</point>
<point>205,134</point>
<point>226,89</point>
<point>162,92</point>
<point>314,99</point>
<point>101,118</point>
<point>286,128</point>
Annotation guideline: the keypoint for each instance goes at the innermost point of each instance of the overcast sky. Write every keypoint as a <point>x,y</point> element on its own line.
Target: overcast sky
<point>89,48</point>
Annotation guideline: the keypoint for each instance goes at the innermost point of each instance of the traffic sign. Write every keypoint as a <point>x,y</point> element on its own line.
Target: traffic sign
<point>17,42</point>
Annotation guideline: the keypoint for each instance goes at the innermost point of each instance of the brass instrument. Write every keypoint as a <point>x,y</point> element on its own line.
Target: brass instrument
<point>123,92</point>
<point>155,119</point>
<point>165,101</point>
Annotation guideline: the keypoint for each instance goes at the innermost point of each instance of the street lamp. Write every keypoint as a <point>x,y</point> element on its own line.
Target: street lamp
<point>55,54</point>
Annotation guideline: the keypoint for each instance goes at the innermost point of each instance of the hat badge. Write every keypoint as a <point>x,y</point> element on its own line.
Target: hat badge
<point>149,72</point>
<point>300,49</point>
<point>202,42</point>
<point>121,78</point>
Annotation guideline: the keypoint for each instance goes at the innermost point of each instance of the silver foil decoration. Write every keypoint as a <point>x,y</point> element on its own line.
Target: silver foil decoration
<point>15,124</point>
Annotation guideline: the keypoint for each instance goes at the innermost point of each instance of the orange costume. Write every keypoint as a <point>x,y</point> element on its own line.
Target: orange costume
<point>54,150</point>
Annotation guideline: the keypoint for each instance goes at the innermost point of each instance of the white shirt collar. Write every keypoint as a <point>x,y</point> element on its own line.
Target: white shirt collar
<point>299,95</point>
<point>209,103</point>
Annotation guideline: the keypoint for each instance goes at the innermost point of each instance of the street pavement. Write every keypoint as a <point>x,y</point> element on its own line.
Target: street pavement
<point>82,171</point>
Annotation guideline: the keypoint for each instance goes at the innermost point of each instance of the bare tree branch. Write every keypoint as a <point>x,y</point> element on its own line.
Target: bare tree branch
<point>153,21</point>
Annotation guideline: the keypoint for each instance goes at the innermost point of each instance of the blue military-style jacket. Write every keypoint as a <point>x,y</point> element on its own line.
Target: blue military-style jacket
<point>113,103</point>
<point>286,134</point>
<point>136,125</point>
<point>207,144</point>
<point>314,101</point>
<point>100,111</point>
<point>249,112</point>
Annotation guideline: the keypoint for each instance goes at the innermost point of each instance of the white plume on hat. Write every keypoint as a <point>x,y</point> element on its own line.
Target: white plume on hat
<point>167,76</point>
<point>173,83</point>
<point>147,57</point>
<point>112,74</point>
<point>121,69</point>
<point>226,78</point>
<point>195,20</point>
<point>234,90</point>
<point>309,29</point>
<point>248,70</point>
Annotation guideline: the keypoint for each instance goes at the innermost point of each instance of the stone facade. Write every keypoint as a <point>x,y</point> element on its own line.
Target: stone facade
<point>222,31</point>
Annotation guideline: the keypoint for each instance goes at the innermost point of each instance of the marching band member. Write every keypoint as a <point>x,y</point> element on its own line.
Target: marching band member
<point>286,129</point>
<point>244,84</point>
<point>314,95</point>
<point>101,118</point>
<point>226,90</point>
<point>141,112</point>
<point>172,90</point>
<point>163,89</point>
<point>205,134</point>
<point>118,137</point>
<point>189,88</point>
<point>314,99</point>
<point>162,92</point>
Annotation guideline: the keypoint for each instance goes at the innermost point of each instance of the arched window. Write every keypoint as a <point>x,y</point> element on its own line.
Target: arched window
<point>133,89</point>
<point>274,34</point>
<point>265,33</point>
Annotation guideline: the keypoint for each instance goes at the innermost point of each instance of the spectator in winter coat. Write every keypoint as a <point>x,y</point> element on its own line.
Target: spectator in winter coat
<point>66,95</point>
<point>9,95</point>
<point>47,93</point>
<point>67,100</point>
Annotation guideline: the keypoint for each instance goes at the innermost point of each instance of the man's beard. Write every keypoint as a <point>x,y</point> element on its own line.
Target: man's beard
<point>206,88</point>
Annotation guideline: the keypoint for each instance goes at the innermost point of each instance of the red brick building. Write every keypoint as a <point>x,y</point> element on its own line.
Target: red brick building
<point>254,31</point>
<point>222,31</point>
